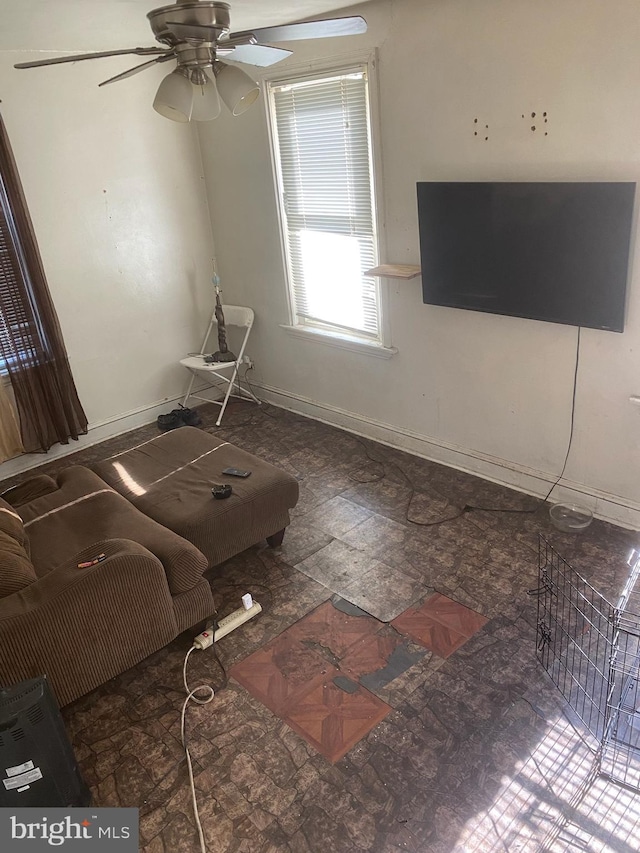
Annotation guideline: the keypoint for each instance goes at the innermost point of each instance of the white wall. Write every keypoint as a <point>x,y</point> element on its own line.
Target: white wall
<point>116,194</point>
<point>487,393</point>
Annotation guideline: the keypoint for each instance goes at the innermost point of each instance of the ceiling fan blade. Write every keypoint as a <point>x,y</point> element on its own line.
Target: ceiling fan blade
<point>329,28</point>
<point>257,54</point>
<point>138,51</point>
<point>197,32</point>
<point>136,69</point>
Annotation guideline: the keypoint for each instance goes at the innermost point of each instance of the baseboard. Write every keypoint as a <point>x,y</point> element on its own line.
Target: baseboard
<point>606,506</point>
<point>100,431</point>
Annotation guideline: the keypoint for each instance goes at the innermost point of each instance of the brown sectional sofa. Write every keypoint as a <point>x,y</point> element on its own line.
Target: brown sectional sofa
<point>82,626</point>
<point>148,527</point>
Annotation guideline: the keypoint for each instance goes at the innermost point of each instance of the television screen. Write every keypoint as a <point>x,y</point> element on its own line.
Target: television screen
<point>547,251</point>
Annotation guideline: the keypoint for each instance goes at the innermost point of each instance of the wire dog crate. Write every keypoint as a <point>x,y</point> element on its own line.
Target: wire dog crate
<point>591,650</point>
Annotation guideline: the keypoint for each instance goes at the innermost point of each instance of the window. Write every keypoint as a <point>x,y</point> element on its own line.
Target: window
<point>20,338</point>
<point>321,134</point>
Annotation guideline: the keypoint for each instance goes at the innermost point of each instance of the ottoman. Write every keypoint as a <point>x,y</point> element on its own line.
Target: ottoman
<point>170,477</point>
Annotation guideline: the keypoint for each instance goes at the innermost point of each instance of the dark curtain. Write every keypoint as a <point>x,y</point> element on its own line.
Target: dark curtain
<point>31,345</point>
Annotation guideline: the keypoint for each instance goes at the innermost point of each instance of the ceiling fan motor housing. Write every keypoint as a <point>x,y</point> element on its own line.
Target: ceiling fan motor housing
<point>203,13</point>
<point>193,57</point>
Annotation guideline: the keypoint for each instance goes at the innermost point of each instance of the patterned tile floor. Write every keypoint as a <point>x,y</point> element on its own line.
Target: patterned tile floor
<point>476,754</point>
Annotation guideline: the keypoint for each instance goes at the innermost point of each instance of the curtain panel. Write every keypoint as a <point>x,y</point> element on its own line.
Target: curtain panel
<point>32,350</point>
<point>10,443</point>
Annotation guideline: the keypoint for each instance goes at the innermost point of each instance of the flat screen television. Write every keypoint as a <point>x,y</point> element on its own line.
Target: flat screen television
<point>546,251</point>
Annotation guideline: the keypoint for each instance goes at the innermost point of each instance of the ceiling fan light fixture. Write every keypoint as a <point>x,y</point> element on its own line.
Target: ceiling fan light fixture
<point>236,88</point>
<point>206,101</point>
<point>174,98</point>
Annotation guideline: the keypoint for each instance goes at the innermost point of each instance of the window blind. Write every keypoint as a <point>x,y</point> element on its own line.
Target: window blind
<point>323,147</point>
<point>20,336</point>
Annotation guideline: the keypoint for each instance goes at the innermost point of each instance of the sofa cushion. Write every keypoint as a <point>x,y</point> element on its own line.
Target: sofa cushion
<point>16,569</point>
<point>84,510</point>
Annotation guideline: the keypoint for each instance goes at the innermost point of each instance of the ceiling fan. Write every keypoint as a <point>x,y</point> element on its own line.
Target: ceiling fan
<point>197,33</point>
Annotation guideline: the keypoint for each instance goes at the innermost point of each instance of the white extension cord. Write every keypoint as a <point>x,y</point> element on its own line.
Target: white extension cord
<point>191,696</point>
<point>249,609</point>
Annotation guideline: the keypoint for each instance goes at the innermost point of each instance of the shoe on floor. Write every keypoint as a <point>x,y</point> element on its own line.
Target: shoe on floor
<point>190,417</point>
<point>170,421</point>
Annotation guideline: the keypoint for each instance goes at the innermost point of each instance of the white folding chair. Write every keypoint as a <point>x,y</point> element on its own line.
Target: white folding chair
<point>225,372</point>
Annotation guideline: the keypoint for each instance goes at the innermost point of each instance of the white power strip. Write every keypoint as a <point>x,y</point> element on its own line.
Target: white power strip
<point>235,619</point>
<point>228,624</point>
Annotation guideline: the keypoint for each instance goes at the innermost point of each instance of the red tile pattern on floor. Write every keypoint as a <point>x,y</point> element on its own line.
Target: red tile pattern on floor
<point>330,628</point>
<point>440,624</point>
<point>281,672</point>
<point>333,720</point>
<point>293,676</point>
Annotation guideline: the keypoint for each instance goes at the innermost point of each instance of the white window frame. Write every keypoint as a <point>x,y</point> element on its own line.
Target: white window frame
<point>344,339</point>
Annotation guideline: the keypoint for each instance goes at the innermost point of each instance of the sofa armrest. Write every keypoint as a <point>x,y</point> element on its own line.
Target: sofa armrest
<point>81,627</point>
<point>29,490</point>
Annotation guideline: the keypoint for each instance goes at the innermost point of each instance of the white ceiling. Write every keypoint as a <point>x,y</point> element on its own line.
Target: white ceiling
<point>79,25</point>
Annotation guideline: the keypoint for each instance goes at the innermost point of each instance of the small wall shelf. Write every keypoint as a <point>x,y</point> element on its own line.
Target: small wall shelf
<point>405,271</point>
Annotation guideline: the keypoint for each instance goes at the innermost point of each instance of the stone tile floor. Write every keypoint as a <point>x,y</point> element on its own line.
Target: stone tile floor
<point>478,753</point>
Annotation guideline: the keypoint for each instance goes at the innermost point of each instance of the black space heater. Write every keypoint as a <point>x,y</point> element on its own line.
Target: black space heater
<point>37,765</point>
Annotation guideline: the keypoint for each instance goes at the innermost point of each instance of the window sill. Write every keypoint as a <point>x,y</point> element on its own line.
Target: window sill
<point>333,339</point>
